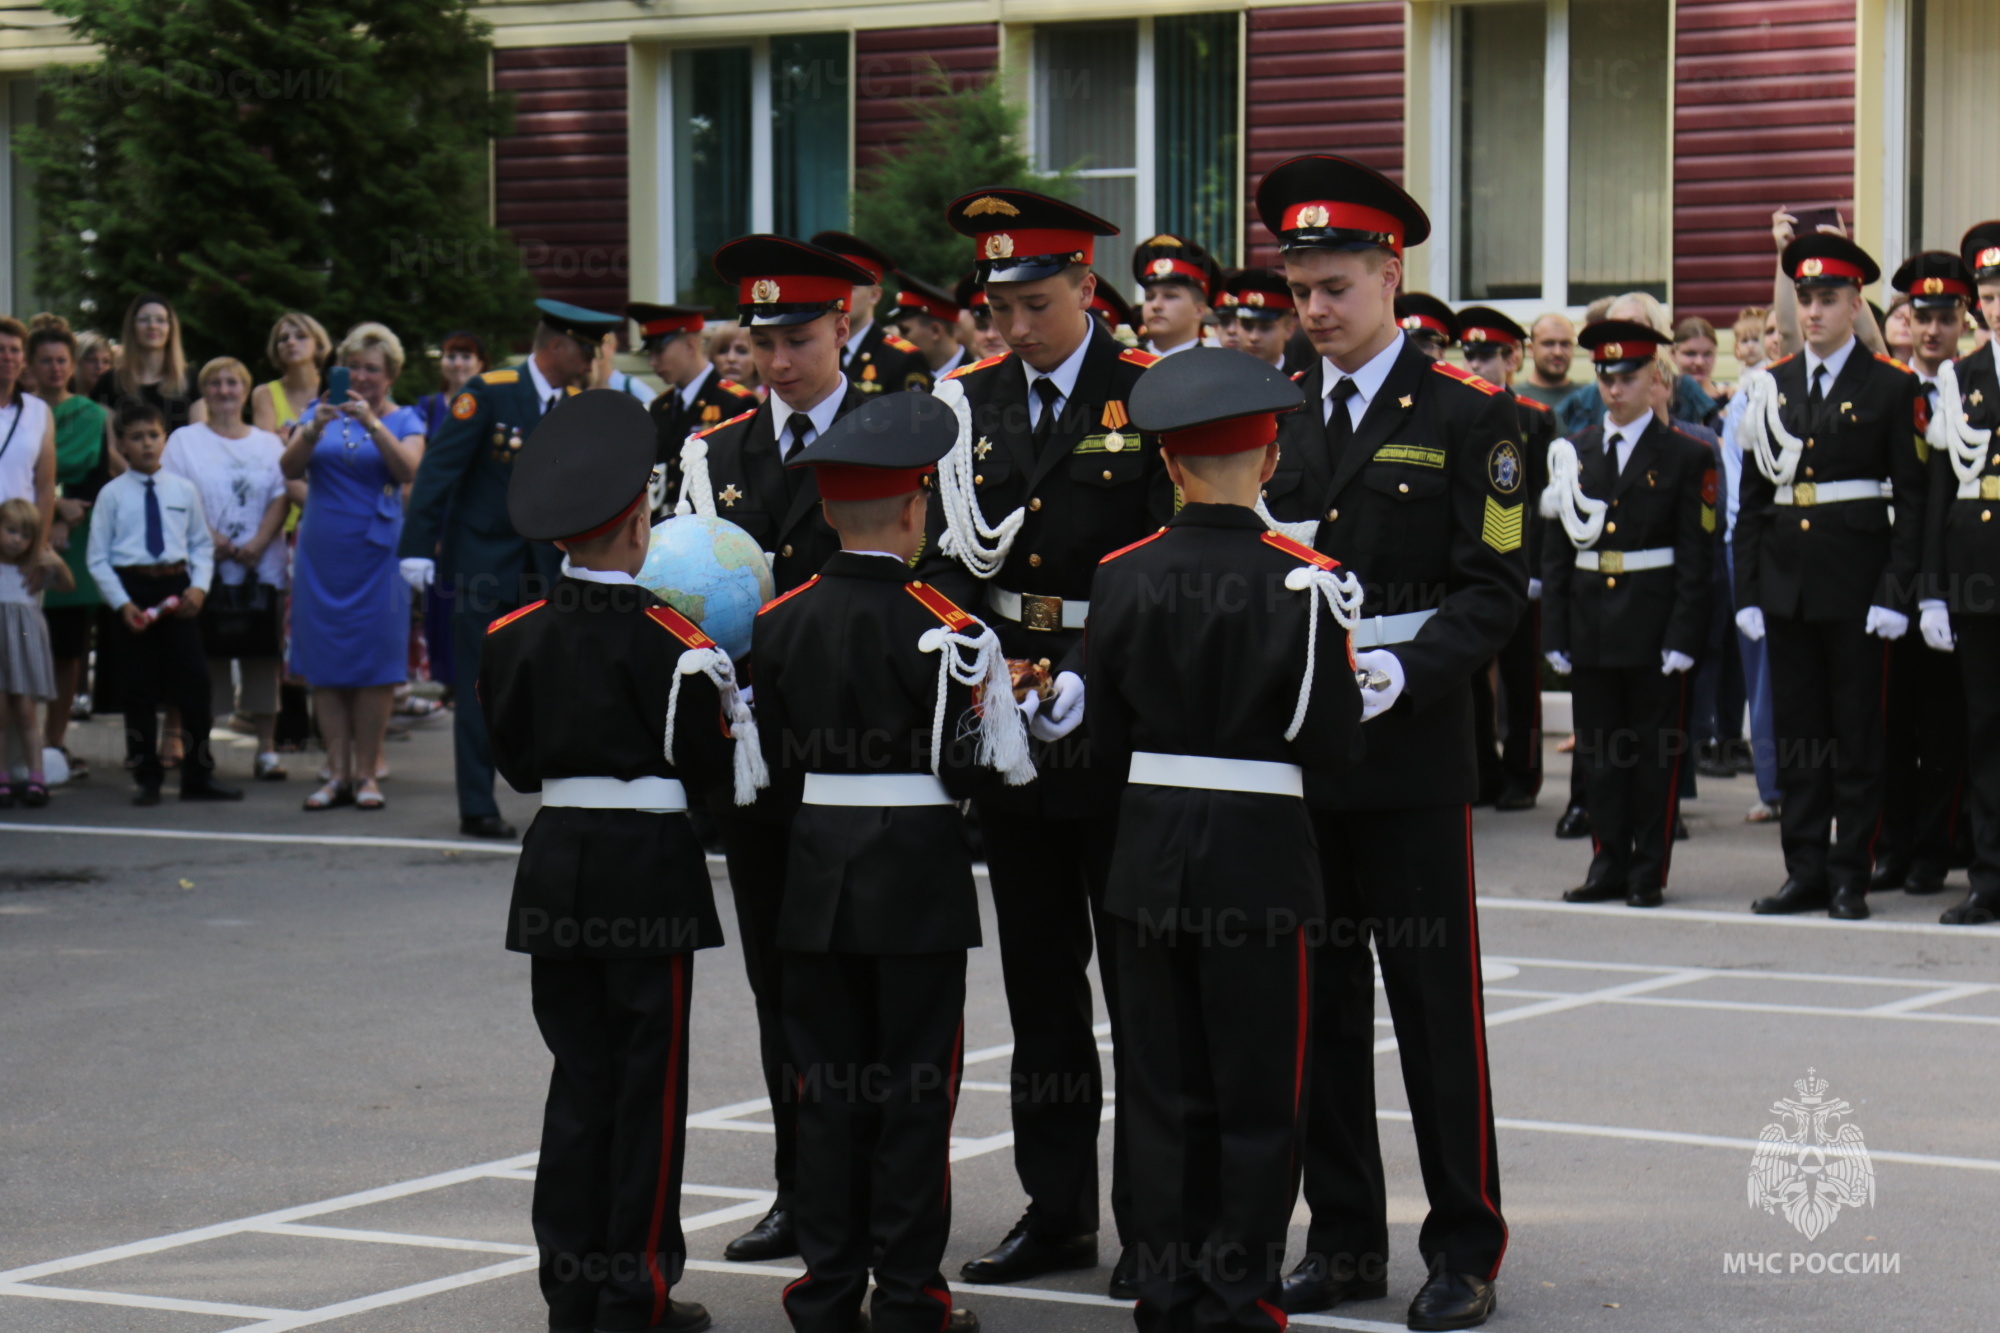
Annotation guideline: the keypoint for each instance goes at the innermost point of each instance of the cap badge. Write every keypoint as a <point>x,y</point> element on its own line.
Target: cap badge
<point>1162,267</point>
<point>1930,286</point>
<point>1412,322</point>
<point>1313,215</point>
<point>1990,256</point>
<point>1473,336</point>
<point>999,246</point>
<point>1164,239</point>
<point>1252,298</point>
<point>1811,268</point>
<point>1614,351</point>
<point>987,203</point>
<point>763,292</point>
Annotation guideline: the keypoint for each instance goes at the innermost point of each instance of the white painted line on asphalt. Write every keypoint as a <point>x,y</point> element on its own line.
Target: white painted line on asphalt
<point>1942,995</point>
<point>311,1232</point>
<point>1744,918</point>
<point>131,1302</point>
<point>398,1296</point>
<point>735,1212</point>
<point>1582,999</point>
<point>1817,1010</point>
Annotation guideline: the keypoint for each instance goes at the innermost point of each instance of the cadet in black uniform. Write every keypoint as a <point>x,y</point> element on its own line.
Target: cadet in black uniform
<point>875,358</point>
<point>1830,435</point>
<point>611,896</point>
<point>793,297</point>
<point>1048,480</point>
<point>1427,322</point>
<point>695,396</point>
<point>1962,555</point>
<point>1626,584</point>
<point>928,317</point>
<point>1412,470</point>
<point>1110,306</point>
<point>1179,279</point>
<point>1512,777</point>
<point>1209,703</point>
<point>1266,319</point>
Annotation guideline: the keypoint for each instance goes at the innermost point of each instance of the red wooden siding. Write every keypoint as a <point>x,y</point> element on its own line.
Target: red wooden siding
<point>1320,77</point>
<point>1763,116</point>
<point>560,179</point>
<point>893,66</point>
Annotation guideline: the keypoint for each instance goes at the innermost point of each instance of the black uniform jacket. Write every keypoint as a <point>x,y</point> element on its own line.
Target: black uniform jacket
<point>1429,506</point>
<point>1196,646</point>
<point>1538,431</point>
<point>1665,497</point>
<point>843,687</point>
<point>1095,488</point>
<point>887,363</point>
<point>1963,553</point>
<point>716,401</point>
<point>1833,563</point>
<point>574,686</point>
<point>776,505</point>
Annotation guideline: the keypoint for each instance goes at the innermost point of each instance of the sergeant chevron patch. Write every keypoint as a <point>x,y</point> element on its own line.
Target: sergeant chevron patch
<point>1501,528</point>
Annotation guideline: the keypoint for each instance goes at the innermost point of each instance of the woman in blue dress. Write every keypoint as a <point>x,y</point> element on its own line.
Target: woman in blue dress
<point>350,606</point>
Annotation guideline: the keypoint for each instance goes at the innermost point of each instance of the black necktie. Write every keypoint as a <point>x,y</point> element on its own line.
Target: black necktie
<point>1339,424</point>
<point>156,531</point>
<point>1816,395</point>
<point>1046,390</point>
<point>797,428</point>
<point>1611,446</point>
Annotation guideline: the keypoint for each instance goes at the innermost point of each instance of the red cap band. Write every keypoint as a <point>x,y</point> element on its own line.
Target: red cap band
<point>1316,213</point>
<point>1031,242</point>
<point>1632,349</point>
<point>1941,287</point>
<point>1166,267</point>
<point>798,289</point>
<point>1259,299</point>
<point>1479,333</point>
<point>1236,435</point>
<point>1414,322</point>
<point>875,270</point>
<point>655,328</point>
<point>924,305</point>
<point>609,523</point>
<point>978,298</point>
<point>844,481</point>
<point>1817,267</point>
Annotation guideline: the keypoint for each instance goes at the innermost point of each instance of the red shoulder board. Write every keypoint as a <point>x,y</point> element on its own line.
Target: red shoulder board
<point>1133,356</point>
<point>1151,537</point>
<point>1526,401</point>
<point>1464,376</point>
<point>679,626</point>
<point>1299,550</point>
<point>504,621</point>
<point>784,597</point>
<point>979,365</point>
<point>1781,361</point>
<point>740,416</point>
<point>939,605</point>
<point>731,386</point>
<point>1888,360</point>
<point>900,344</point>
<point>1298,375</point>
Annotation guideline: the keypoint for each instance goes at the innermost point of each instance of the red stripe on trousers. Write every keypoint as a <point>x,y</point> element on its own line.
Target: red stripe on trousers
<point>943,1297</point>
<point>669,1136</point>
<point>1479,1044</point>
<point>1278,1316</point>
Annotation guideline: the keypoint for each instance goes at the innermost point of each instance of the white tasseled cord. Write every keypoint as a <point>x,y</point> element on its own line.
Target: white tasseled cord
<point>964,525</point>
<point>1301,532</point>
<point>1343,594</point>
<point>1582,517</point>
<point>697,491</point>
<point>748,755</point>
<point>1003,740</point>
<point>1761,426</point>
<point>1949,430</point>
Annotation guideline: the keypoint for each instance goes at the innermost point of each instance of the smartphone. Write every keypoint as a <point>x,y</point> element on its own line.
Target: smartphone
<point>1812,219</point>
<point>336,385</point>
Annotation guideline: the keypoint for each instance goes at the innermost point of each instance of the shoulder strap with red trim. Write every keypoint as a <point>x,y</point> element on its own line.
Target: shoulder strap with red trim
<point>503,622</point>
<point>939,605</point>
<point>1299,550</point>
<point>978,365</point>
<point>1781,361</point>
<point>784,597</point>
<point>741,391</point>
<point>710,430</point>
<point>679,626</point>
<point>1888,360</point>
<point>1526,401</point>
<point>1150,537</point>
<point>1135,356</point>
<point>1464,376</point>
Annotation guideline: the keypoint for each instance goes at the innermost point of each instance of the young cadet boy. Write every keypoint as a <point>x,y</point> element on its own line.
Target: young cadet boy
<point>881,704</point>
<point>1215,677</point>
<point>606,701</point>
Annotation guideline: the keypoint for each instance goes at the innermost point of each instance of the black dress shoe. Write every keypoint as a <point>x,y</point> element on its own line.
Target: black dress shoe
<point>486,826</point>
<point>1312,1286</point>
<point>1711,764</point>
<point>1850,903</point>
<point>1601,891</point>
<point>146,796</point>
<point>682,1317</point>
<point>1024,1254</point>
<point>1451,1300</point>
<point>1923,882</point>
<point>1647,896</point>
<point>1575,823</point>
<point>210,791</point>
<point>1122,1274</point>
<point>1514,798</point>
<point>771,1238</point>
<point>961,1320</point>
<point>1792,898</point>
<point>1978,909</point>
<point>1888,876</point>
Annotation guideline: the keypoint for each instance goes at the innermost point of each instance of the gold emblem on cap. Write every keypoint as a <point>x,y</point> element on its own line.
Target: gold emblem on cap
<point>1162,267</point>
<point>1164,239</point>
<point>988,203</point>
<point>1313,215</point>
<point>1251,298</point>
<point>1811,268</point>
<point>999,246</point>
<point>763,292</point>
<point>1412,322</point>
<point>1614,351</point>
<point>1930,286</point>
<point>1989,256</point>
<point>1473,336</point>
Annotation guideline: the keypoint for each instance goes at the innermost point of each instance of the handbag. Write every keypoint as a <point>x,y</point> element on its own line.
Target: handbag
<point>240,620</point>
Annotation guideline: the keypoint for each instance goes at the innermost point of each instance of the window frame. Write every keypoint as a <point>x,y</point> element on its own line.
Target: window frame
<point>1144,169</point>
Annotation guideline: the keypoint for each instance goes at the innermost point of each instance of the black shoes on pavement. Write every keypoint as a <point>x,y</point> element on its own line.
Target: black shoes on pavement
<point>771,1238</point>
<point>1575,823</point>
<point>1313,1286</point>
<point>1451,1300</point>
<point>486,826</point>
<point>1025,1254</point>
<point>1792,899</point>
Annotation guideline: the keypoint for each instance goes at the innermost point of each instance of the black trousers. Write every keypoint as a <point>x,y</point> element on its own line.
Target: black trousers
<point>1923,759</point>
<point>1048,893</point>
<point>1403,880</point>
<point>163,664</point>
<point>608,1190</point>
<point>757,851</point>
<point>472,750</point>
<point>1212,1080</point>
<point>1979,664</point>
<point>879,1041</point>
<point>1631,738</point>
<point>1510,759</point>
<point>1827,713</point>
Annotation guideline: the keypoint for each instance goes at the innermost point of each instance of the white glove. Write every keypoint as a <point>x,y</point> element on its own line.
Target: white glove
<point>1380,701</point>
<point>1671,661</point>
<point>1030,704</point>
<point>745,692</point>
<point>1887,624</point>
<point>1065,710</point>
<point>1935,625</point>
<point>1534,590</point>
<point>1560,661</point>
<point>418,571</point>
<point>1750,622</point>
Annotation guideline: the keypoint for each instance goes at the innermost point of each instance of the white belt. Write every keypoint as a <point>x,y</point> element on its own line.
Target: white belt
<point>656,795</point>
<point>1807,493</point>
<point>1980,488</point>
<point>1625,562</point>
<point>1378,630</point>
<point>1032,611</point>
<point>875,789</point>
<point>1207,773</point>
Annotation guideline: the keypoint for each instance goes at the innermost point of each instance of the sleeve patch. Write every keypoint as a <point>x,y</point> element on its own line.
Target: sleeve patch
<point>1299,550</point>
<point>939,605</point>
<point>464,407</point>
<point>784,597</point>
<point>979,365</point>
<point>1501,527</point>
<point>1708,486</point>
<point>501,377</point>
<point>740,416</point>
<point>1464,376</point>
<point>504,621</point>
<point>1133,356</point>
<point>679,626</point>
<point>1152,537</point>
<point>1418,455</point>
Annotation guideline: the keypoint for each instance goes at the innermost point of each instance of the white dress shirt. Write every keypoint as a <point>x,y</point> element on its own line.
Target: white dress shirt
<point>544,391</point>
<point>694,386</point>
<point>1367,382</point>
<point>1628,435</point>
<point>1158,350</point>
<point>821,415</point>
<point>1834,365</point>
<point>1064,378</point>
<point>595,575</point>
<point>853,343</point>
<point>118,531</point>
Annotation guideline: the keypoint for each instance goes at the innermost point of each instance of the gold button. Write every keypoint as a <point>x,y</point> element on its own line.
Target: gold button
<point>978,480</point>
<point>1035,560</point>
<point>1805,525</point>
<point>1044,664</point>
<point>1809,472</point>
<point>1986,516</point>
<point>1035,503</point>
<point>1332,514</point>
<point>1996,460</point>
<point>1263,493</point>
<point>1107,474</point>
<point>1611,527</point>
<point>1403,486</point>
<point>1614,504</point>
<point>1611,583</point>
<point>786,552</point>
<point>1809,444</point>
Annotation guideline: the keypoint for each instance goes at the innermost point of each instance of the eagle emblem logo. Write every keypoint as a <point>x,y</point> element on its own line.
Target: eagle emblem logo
<point>1313,215</point>
<point>763,292</point>
<point>1810,1165</point>
<point>999,246</point>
<point>1503,468</point>
<point>987,203</point>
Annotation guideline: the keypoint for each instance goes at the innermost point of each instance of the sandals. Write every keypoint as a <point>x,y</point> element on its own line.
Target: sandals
<point>332,794</point>
<point>34,794</point>
<point>369,797</point>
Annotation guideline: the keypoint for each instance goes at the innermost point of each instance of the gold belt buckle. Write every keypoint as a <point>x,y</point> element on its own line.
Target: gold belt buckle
<point>1043,613</point>
<point>1989,488</point>
<point>1805,494</point>
<point>1611,562</point>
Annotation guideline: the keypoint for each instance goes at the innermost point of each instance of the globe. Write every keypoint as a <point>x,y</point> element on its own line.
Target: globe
<point>712,572</point>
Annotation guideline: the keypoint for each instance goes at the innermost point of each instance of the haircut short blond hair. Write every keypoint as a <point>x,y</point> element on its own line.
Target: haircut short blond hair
<point>372,337</point>
<point>223,365</point>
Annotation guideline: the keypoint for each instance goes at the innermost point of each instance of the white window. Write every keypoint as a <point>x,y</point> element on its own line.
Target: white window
<point>1953,103</point>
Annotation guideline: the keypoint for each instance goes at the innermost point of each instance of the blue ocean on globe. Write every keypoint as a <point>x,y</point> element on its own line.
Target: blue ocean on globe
<point>712,572</point>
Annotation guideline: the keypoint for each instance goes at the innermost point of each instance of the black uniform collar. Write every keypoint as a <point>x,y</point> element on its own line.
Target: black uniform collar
<point>854,565</point>
<point>1217,516</point>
